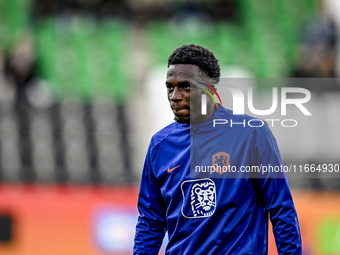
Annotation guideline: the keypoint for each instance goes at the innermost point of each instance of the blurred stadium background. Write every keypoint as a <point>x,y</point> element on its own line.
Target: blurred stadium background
<point>81,93</point>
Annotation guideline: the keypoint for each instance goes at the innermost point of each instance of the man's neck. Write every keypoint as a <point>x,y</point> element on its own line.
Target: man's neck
<point>211,109</point>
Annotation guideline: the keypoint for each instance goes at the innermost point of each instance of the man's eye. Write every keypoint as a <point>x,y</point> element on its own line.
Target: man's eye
<point>170,87</point>
<point>186,87</point>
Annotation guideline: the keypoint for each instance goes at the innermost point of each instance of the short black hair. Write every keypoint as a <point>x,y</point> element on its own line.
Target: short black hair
<point>199,56</point>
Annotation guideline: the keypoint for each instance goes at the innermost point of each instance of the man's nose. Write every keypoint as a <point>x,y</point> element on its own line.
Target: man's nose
<point>176,95</point>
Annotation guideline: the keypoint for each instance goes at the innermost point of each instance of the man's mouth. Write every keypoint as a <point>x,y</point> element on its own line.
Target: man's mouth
<point>180,110</point>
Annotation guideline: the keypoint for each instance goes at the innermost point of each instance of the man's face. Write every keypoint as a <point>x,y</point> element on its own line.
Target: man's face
<point>179,91</point>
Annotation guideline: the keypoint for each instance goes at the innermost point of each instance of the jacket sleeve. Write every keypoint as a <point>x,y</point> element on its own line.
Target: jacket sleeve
<point>275,194</point>
<point>151,225</point>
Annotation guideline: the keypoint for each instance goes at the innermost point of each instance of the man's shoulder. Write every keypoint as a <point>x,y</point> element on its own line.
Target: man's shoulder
<point>243,122</point>
<point>166,132</point>
<point>230,114</point>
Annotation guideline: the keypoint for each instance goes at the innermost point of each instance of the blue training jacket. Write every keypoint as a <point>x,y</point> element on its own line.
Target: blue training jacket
<point>205,195</point>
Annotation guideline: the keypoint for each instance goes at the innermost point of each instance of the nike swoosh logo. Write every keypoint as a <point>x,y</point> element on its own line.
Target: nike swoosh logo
<point>169,170</point>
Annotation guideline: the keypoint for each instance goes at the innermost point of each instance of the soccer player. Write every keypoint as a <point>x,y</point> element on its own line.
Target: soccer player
<point>218,213</point>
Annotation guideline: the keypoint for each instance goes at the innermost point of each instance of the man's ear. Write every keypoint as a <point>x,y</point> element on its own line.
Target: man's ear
<point>213,84</point>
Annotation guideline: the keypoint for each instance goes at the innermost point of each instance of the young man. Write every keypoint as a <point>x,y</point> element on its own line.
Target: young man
<point>219,213</point>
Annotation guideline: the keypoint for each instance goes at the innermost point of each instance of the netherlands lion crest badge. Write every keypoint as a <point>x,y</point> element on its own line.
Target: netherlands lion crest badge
<point>220,161</point>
